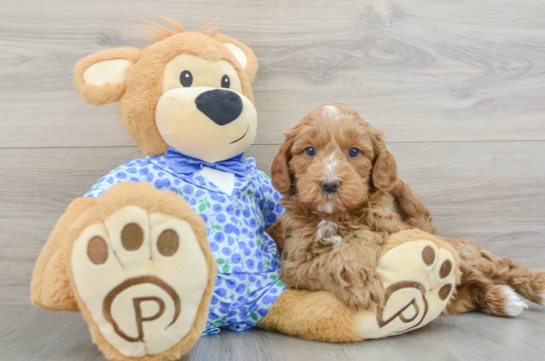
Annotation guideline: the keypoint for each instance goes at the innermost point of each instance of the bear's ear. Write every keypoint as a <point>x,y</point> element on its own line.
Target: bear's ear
<point>101,78</point>
<point>242,53</point>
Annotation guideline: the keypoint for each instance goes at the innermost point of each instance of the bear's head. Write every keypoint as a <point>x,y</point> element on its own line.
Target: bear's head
<point>189,90</point>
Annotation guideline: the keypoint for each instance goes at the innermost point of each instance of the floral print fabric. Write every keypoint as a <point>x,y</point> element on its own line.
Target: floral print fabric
<point>248,261</point>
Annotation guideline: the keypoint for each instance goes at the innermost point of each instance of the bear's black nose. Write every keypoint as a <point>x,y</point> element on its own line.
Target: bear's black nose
<point>222,106</point>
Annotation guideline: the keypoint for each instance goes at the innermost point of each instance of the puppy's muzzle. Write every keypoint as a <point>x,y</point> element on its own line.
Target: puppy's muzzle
<point>221,106</point>
<point>330,186</point>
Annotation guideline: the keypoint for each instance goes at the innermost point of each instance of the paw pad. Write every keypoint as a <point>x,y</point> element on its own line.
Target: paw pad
<point>97,250</point>
<point>132,237</point>
<point>446,267</point>
<point>444,291</point>
<point>418,278</point>
<point>428,256</point>
<point>168,242</point>
<point>142,277</point>
<point>137,303</point>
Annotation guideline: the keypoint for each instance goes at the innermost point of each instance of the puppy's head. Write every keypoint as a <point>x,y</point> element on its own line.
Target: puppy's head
<point>332,160</point>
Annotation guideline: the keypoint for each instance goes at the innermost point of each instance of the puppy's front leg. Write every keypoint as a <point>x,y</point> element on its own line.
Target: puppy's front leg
<point>346,269</point>
<point>351,267</point>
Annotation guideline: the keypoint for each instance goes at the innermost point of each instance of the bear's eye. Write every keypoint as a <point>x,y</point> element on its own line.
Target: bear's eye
<point>225,81</point>
<point>186,79</point>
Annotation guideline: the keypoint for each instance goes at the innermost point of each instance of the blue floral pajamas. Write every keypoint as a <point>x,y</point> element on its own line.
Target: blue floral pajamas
<point>247,257</point>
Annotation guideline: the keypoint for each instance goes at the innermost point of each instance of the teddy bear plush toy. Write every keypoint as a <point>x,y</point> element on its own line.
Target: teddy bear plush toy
<point>167,248</point>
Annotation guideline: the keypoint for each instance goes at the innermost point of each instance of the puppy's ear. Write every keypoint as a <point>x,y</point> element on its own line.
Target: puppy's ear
<point>384,174</point>
<point>101,78</point>
<point>280,172</point>
<point>244,55</point>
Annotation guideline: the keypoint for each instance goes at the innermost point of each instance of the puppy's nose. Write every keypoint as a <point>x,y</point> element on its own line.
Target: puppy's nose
<point>221,106</point>
<point>330,186</point>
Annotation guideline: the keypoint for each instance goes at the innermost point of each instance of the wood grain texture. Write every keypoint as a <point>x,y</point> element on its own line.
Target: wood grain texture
<point>489,192</point>
<point>458,86</point>
<point>30,334</point>
<point>455,70</point>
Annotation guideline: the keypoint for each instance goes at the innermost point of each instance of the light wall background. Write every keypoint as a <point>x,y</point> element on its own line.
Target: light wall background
<point>458,86</point>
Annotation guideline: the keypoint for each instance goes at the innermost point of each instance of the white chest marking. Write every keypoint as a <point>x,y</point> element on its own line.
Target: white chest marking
<point>223,180</point>
<point>326,208</point>
<point>328,232</point>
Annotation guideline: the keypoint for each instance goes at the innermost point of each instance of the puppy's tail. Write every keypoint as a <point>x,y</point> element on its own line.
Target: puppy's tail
<point>412,210</point>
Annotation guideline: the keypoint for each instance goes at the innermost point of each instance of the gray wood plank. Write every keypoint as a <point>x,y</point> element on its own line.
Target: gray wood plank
<point>423,71</point>
<point>32,334</point>
<point>490,192</point>
<point>464,77</point>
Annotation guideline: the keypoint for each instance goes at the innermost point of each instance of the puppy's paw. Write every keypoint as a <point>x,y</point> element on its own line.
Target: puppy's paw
<point>514,304</point>
<point>419,277</point>
<point>531,285</point>
<point>140,279</point>
<point>503,301</point>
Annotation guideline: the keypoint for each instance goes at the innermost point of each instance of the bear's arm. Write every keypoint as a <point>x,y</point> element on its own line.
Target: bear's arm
<point>275,231</point>
<point>128,171</point>
<point>271,208</point>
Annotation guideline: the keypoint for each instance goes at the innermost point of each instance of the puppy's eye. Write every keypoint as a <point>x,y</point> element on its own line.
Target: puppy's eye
<point>311,152</point>
<point>225,81</point>
<point>353,153</point>
<point>186,78</point>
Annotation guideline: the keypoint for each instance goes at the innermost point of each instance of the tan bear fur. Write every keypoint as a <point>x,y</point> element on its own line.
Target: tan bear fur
<point>148,198</point>
<point>50,288</point>
<point>312,315</point>
<point>139,95</point>
<point>53,286</point>
<point>409,235</point>
<point>104,94</point>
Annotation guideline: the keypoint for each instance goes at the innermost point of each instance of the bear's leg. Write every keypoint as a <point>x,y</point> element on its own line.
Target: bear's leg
<point>50,287</point>
<point>142,272</point>
<point>311,315</point>
<point>419,275</point>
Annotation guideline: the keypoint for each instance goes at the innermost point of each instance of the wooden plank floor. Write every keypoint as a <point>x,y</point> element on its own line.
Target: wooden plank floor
<point>29,334</point>
<point>458,86</point>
